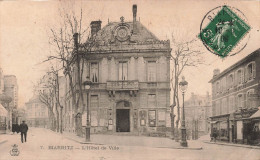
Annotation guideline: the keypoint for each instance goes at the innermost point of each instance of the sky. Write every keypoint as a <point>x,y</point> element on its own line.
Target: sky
<point>25,26</point>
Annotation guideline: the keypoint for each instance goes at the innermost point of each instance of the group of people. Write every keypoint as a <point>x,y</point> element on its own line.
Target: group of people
<point>23,128</point>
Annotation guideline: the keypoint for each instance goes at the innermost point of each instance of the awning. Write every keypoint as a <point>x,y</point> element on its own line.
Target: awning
<point>213,122</point>
<point>256,114</point>
<point>3,111</point>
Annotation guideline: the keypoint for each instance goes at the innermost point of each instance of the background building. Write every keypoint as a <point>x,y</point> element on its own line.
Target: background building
<point>235,97</point>
<point>197,112</point>
<point>7,116</point>
<point>129,69</point>
<point>11,89</point>
<point>36,113</point>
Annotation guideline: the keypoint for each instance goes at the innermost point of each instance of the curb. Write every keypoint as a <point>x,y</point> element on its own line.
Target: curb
<point>244,146</point>
<point>82,142</point>
<point>93,143</point>
<point>182,148</point>
<point>2,142</point>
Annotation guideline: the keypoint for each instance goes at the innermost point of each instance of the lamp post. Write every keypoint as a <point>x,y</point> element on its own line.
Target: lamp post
<point>183,87</point>
<point>87,84</point>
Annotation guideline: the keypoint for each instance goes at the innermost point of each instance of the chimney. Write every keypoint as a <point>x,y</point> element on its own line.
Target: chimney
<point>95,27</point>
<point>216,72</point>
<point>134,19</point>
<point>76,39</point>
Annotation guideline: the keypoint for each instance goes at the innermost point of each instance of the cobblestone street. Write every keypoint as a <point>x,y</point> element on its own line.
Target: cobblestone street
<point>46,144</point>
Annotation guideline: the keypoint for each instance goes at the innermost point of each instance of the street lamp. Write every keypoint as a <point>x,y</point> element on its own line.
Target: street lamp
<point>87,84</point>
<point>183,87</point>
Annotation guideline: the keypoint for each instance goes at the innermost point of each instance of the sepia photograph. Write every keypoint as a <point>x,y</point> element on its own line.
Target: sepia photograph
<point>129,80</point>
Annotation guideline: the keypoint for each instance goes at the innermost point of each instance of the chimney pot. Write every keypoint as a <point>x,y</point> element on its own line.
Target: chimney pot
<point>216,72</point>
<point>76,39</point>
<point>134,12</point>
<point>95,27</point>
<point>134,19</point>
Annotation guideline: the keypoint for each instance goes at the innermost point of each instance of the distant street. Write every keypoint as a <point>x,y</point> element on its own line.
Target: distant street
<point>45,144</point>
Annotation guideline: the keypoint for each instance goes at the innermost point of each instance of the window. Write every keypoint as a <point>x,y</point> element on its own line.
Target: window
<point>230,80</point>
<point>223,84</point>
<point>231,104</point>
<point>224,106</point>
<point>151,71</point>
<point>217,108</point>
<point>94,101</point>
<point>240,101</point>
<point>213,109</point>
<point>240,77</point>
<point>251,102</point>
<point>151,100</point>
<point>217,87</point>
<point>122,75</point>
<point>250,71</point>
<point>94,72</point>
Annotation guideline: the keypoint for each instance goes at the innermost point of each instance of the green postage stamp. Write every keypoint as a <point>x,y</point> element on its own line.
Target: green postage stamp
<point>224,31</point>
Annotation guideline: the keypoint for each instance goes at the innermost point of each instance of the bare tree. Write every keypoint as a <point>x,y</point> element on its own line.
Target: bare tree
<point>66,41</point>
<point>184,54</point>
<point>46,96</point>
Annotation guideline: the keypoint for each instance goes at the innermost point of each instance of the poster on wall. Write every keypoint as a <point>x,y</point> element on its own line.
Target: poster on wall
<point>152,118</point>
<point>94,119</point>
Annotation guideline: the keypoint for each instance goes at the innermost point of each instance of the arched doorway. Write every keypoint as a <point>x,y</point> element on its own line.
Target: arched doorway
<point>123,116</point>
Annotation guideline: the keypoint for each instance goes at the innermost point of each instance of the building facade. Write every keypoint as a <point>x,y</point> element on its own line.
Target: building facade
<point>36,113</point>
<point>129,70</point>
<point>8,91</point>
<point>235,98</point>
<point>197,112</point>
<point>11,89</point>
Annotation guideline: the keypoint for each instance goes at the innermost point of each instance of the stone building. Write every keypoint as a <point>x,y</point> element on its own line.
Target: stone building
<point>129,69</point>
<point>197,112</point>
<point>36,113</point>
<point>235,98</point>
<point>11,89</point>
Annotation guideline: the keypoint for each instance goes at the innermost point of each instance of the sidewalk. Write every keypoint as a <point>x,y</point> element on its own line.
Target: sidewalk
<point>119,140</point>
<point>4,137</point>
<point>233,144</point>
<point>206,139</point>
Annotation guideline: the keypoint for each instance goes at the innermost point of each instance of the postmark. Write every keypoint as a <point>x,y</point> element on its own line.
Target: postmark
<point>224,31</point>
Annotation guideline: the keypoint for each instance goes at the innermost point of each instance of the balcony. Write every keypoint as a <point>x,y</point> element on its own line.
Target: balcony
<point>123,85</point>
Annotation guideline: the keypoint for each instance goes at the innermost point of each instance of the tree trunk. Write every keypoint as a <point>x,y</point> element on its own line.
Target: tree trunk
<point>172,124</point>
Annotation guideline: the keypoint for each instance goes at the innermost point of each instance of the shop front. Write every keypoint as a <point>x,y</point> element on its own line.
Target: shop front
<point>241,126</point>
<point>255,129</point>
<point>220,124</point>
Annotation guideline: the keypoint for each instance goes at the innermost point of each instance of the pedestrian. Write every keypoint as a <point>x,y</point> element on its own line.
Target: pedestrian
<point>215,134</point>
<point>23,130</point>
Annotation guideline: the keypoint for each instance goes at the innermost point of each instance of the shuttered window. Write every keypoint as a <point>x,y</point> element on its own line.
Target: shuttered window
<point>122,71</point>
<point>94,72</point>
<point>151,71</point>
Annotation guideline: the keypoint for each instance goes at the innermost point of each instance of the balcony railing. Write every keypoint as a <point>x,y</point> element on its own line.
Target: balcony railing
<point>123,85</point>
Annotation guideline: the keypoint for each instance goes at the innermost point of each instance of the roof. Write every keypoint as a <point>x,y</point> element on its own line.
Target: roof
<point>256,52</point>
<point>105,35</point>
<point>34,99</point>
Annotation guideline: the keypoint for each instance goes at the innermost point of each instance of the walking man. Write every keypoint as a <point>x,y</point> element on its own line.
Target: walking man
<point>23,130</point>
